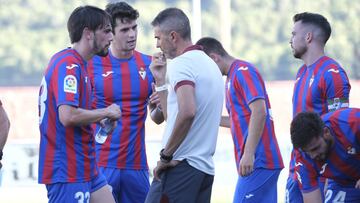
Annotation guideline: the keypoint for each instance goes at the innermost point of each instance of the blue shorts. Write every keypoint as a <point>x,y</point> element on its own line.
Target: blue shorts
<point>128,186</point>
<point>293,193</point>
<point>74,192</point>
<point>339,193</point>
<point>259,186</point>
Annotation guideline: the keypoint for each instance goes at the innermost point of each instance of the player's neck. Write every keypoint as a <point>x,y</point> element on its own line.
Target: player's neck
<point>227,62</point>
<point>121,54</point>
<point>83,51</point>
<point>312,55</point>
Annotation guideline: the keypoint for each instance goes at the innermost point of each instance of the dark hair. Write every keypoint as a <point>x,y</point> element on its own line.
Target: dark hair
<point>83,17</point>
<point>122,11</point>
<point>304,127</point>
<point>173,19</point>
<point>316,20</point>
<point>211,45</point>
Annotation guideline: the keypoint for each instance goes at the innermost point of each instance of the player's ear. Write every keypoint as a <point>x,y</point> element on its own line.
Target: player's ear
<point>327,133</point>
<point>88,34</point>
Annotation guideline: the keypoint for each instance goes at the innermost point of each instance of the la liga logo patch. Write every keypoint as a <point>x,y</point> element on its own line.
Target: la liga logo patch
<point>70,84</point>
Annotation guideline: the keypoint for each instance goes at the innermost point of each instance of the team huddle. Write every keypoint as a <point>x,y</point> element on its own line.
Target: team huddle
<point>102,80</point>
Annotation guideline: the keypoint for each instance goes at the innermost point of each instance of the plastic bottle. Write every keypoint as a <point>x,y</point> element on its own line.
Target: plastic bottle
<point>103,132</point>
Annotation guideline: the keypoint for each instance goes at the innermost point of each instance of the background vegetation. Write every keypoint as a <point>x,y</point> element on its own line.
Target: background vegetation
<point>31,31</point>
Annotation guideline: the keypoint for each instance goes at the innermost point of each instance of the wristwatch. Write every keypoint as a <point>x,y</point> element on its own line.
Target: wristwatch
<point>165,158</point>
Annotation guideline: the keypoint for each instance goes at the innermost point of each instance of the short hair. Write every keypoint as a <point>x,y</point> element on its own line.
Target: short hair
<point>173,19</point>
<point>317,20</point>
<point>121,10</point>
<point>211,45</point>
<point>82,17</point>
<point>304,128</point>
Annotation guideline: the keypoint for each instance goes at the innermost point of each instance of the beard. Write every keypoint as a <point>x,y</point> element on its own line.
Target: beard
<point>324,156</point>
<point>298,53</point>
<point>102,52</point>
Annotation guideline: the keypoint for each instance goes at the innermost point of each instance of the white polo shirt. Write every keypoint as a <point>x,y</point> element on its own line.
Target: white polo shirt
<point>199,145</point>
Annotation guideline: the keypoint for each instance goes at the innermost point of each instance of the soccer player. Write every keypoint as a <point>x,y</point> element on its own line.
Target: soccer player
<point>4,130</point>
<point>123,77</point>
<point>321,84</point>
<point>328,147</point>
<point>258,158</point>
<point>185,172</point>
<point>67,162</point>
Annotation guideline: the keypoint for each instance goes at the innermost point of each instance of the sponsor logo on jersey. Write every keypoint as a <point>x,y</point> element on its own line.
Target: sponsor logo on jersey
<point>243,68</point>
<point>142,73</point>
<point>72,66</point>
<point>298,164</point>
<point>351,150</point>
<point>70,84</point>
<point>323,168</point>
<point>333,70</point>
<point>248,196</point>
<point>107,73</point>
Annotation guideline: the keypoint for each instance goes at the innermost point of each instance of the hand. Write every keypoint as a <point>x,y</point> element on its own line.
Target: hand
<point>158,68</point>
<point>154,98</point>
<point>161,166</point>
<point>357,185</point>
<point>113,112</point>
<point>246,164</point>
<point>112,122</point>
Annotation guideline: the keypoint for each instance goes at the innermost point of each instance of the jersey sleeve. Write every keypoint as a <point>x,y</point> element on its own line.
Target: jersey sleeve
<point>250,84</point>
<point>67,84</point>
<point>180,72</point>
<point>337,87</point>
<point>306,173</point>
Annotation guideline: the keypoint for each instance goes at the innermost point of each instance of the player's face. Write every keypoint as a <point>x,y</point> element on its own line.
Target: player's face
<point>318,148</point>
<point>102,40</point>
<point>163,41</point>
<point>297,41</point>
<point>125,35</point>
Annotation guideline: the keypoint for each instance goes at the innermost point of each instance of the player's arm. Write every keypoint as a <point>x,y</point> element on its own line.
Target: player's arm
<point>256,127</point>
<point>73,116</point>
<point>337,88</point>
<point>225,121</point>
<point>312,197</point>
<point>184,119</point>
<point>4,130</point>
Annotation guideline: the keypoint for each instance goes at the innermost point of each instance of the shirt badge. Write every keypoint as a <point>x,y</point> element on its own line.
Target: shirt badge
<point>72,66</point>
<point>70,84</point>
<point>142,73</point>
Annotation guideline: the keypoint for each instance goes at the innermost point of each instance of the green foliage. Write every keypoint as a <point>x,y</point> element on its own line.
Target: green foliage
<point>32,31</point>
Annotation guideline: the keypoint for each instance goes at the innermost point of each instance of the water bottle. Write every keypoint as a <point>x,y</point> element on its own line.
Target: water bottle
<point>103,132</point>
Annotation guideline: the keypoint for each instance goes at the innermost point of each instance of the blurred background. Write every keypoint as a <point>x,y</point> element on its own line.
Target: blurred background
<point>31,31</point>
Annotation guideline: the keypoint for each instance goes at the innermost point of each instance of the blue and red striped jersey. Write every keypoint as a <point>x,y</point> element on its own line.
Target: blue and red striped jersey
<point>343,163</point>
<point>126,82</point>
<point>321,88</point>
<point>243,86</point>
<point>67,154</point>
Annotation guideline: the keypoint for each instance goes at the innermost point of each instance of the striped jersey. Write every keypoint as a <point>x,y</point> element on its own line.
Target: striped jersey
<point>243,86</point>
<point>67,154</point>
<point>343,163</point>
<point>126,82</point>
<point>322,87</point>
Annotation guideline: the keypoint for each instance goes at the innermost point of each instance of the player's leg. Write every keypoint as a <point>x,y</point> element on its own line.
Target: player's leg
<point>257,187</point>
<point>113,177</point>
<point>134,185</point>
<point>100,190</point>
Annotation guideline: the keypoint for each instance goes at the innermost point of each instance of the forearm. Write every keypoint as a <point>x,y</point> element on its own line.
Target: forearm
<point>4,127</point>
<point>225,121</point>
<point>163,103</point>
<point>71,116</point>
<point>180,130</point>
<point>312,197</point>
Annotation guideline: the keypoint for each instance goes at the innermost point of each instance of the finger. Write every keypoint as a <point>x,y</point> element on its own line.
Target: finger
<point>156,175</point>
<point>153,87</point>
